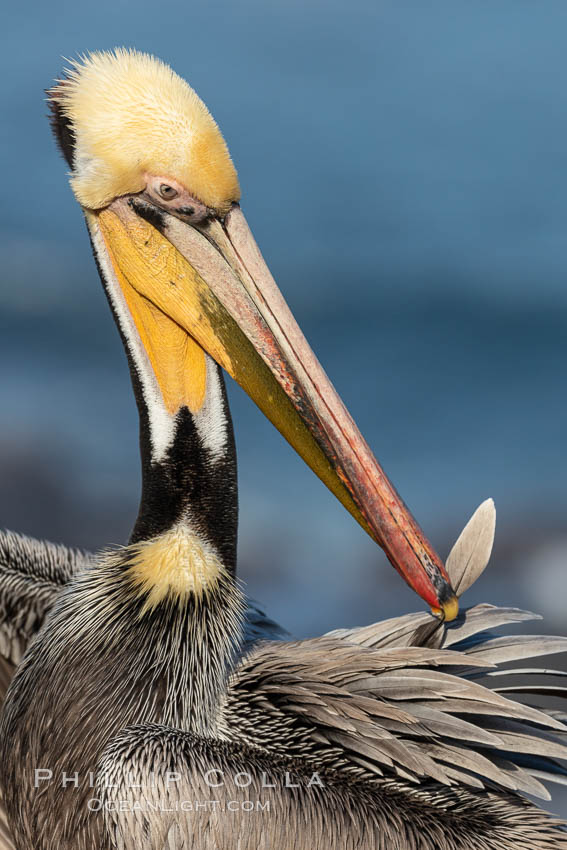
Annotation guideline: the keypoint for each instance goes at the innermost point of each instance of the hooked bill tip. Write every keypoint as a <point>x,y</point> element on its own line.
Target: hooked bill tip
<point>448,610</point>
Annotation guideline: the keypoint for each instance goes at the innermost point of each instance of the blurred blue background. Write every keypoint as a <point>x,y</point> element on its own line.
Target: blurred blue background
<point>404,169</point>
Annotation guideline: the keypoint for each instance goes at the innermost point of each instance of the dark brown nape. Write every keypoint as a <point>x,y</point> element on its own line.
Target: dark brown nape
<point>61,125</point>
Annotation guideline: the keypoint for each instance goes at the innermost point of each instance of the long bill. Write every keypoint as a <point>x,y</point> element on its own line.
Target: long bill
<point>206,287</point>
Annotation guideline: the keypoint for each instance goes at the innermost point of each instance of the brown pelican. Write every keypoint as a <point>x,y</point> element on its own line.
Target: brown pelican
<point>154,706</point>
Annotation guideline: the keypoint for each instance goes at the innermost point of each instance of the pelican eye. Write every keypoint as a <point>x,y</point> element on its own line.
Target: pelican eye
<point>168,193</point>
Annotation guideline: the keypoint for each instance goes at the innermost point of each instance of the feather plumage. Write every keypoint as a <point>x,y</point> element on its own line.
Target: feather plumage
<point>399,710</point>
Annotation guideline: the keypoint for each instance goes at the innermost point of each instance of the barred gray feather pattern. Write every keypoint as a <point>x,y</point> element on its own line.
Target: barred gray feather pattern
<point>366,705</point>
<point>277,803</point>
<point>418,740</point>
<point>32,572</point>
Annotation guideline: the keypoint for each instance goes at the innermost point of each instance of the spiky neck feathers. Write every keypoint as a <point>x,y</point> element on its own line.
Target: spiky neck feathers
<point>151,660</point>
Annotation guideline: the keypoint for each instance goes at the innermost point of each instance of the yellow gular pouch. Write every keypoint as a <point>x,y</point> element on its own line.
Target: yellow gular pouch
<point>148,267</point>
<point>174,566</point>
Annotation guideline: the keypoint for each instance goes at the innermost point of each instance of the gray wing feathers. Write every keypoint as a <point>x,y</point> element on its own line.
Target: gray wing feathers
<point>52,563</point>
<point>395,712</point>
<point>402,697</point>
<point>258,626</point>
<point>6,673</point>
<point>158,814</point>
<point>32,572</point>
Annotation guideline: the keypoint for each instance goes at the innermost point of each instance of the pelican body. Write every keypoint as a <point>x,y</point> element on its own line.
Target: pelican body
<point>154,703</point>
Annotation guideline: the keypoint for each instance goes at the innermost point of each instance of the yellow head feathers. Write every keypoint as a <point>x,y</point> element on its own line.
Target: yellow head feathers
<point>131,116</point>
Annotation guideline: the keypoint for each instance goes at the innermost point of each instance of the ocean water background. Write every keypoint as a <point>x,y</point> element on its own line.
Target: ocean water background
<point>404,170</point>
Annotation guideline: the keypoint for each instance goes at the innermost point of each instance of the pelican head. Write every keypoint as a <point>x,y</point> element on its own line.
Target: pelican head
<point>138,125</point>
<point>186,281</point>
